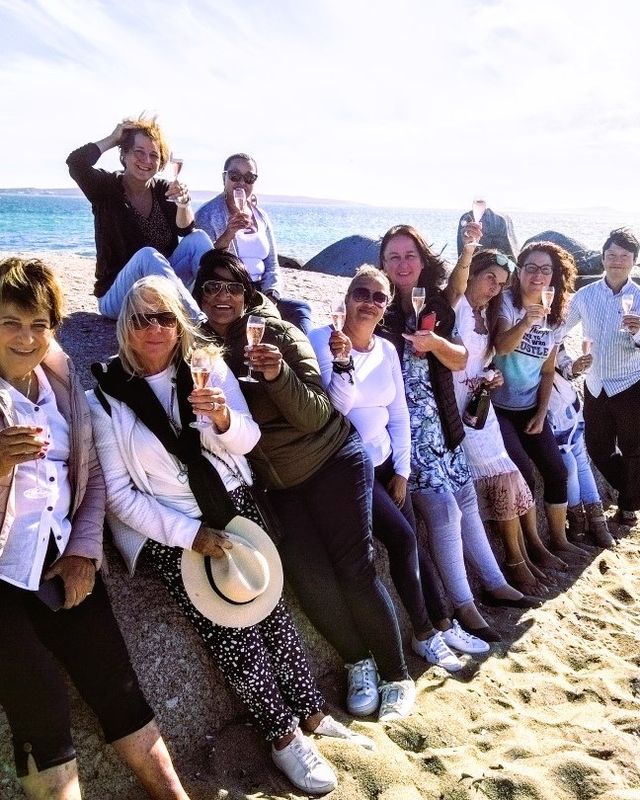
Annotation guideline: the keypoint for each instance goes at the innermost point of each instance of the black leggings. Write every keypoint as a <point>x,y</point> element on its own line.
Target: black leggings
<point>86,640</point>
<point>541,448</point>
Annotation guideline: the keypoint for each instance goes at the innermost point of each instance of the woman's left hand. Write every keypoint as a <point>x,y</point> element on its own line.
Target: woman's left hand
<point>265,358</point>
<point>422,341</point>
<point>178,193</point>
<point>78,575</point>
<point>211,403</point>
<point>497,380</point>
<point>397,488</point>
<point>536,423</point>
<point>471,236</point>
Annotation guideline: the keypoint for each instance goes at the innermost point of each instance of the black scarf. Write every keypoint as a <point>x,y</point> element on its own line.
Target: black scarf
<point>205,482</point>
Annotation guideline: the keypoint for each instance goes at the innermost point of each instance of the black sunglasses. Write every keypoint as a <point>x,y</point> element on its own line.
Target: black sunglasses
<point>362,295</point>
<point>165,319</point>
<point>239,177</point>
<point>213,288</point>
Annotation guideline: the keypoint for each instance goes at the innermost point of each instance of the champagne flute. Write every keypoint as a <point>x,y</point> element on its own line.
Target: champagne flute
<point>478,207</point>
<point>174,167</point>
<point>418,297</point>
<point>255,332</point>
<point>626,301</point>
<point>240,201</point>
<point>586,348</point>
<point>200,365</point>
<point>546,299</point>
<point>39,490</point>
<point>338,315</point>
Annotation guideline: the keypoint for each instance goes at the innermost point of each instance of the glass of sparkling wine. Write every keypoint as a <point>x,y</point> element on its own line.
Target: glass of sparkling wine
<point>174,166</point>
<point>255,332</point>
<point>338,315</point>
<point>240,201</point>
<point>39,490</point>
<point>200,365</point>
<point>418,296</point>
<point>626,301</point>
<point>586,348</point>
<point>546,299</point>
<point>478,207</point>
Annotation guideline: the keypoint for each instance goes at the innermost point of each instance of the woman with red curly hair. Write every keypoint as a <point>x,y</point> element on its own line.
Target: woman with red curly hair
<point>144,225</point>
<point>525,354</point>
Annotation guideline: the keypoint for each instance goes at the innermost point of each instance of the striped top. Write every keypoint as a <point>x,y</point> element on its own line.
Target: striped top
<point>616,353</point>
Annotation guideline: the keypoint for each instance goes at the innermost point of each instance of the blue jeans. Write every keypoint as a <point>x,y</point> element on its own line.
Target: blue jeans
<point>581,485</point>
<point>327,553</point>
<point>412,570</point>
<point>455,531</point>
<point>180,268</point>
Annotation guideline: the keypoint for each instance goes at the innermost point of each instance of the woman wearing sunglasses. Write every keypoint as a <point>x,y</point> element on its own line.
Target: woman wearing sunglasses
<point>525,355</point>
<point>248,233</point>
<point>363,378</point>
<point>143,224</point>
<point>319,481</point>
<point>503,495</point>
<point>442,488</point>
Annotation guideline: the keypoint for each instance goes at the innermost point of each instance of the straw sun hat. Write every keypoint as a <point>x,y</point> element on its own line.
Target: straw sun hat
<point>241,588</point>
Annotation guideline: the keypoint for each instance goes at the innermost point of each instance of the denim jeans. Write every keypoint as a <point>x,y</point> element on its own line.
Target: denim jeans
<point>327,553</point>
<point>180,268</point>
<point>412,570</point>
<point>581,485</point>
<point>455,531</point>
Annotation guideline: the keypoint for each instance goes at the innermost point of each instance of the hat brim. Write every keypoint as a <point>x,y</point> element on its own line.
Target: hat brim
<point>214,607</point>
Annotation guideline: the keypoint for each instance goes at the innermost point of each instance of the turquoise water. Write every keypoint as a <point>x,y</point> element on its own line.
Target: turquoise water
<point>59,222</point>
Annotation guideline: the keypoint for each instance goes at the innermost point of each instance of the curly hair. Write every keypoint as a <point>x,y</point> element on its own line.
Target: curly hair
<point>562,280</point>
<point>150,128</point>
<point>433,273</point>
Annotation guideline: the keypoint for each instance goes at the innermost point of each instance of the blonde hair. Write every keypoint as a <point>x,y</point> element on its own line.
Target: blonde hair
<point>369,271</point>
<point>30,284</point>
<point>149,294</point>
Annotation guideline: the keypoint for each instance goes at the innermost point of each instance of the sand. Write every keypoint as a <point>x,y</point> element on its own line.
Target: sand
<point>552,713</point>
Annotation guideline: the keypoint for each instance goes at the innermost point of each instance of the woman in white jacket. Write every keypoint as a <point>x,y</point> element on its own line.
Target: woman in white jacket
<point>160,472</point>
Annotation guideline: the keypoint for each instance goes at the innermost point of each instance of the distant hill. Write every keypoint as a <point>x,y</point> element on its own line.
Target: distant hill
<point>199,195</point>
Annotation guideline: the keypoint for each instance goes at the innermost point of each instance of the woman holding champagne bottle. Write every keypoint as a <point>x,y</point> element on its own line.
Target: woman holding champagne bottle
<point>236,222</point>
<point>144,224</point>
<point>319,481</point>
<point>440,482</point>
<point>526,355</point>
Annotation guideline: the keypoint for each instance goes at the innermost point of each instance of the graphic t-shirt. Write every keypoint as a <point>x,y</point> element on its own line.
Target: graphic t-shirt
<point>522,367</point>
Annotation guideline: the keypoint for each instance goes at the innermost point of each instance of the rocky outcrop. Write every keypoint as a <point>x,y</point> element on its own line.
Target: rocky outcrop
<point>345,256</point>
<point>589,262</point>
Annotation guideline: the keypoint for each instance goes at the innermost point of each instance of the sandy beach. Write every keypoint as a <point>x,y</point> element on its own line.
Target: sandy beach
<point>552,713</point>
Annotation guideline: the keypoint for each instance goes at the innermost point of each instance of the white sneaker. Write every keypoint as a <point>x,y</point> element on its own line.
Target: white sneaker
<point>396,699</point>
<point>304,766</point>
<point>435,651</point>
<point>331,727</point>
<point>464,642</point>
<point>362,688</point>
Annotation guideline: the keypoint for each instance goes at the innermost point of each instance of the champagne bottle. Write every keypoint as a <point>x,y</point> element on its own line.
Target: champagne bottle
<point>475,414</point>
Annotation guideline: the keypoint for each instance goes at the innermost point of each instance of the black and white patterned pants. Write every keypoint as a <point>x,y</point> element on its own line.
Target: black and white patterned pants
<point>265,664</point>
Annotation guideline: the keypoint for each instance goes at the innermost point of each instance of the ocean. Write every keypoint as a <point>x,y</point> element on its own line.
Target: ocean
<point>62,222</point>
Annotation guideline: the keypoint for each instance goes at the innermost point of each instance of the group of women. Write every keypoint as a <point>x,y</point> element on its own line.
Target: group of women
<point>332,440</point>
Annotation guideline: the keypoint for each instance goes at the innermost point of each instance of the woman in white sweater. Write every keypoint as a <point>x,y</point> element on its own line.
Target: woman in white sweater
<point>363,378</point>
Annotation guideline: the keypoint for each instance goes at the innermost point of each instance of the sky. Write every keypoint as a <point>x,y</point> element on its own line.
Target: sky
<point>424,103</point>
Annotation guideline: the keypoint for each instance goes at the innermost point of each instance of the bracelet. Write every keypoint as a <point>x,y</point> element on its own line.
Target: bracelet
<point>343,366</point>
<point>184,201</point>
<point>517,564</point>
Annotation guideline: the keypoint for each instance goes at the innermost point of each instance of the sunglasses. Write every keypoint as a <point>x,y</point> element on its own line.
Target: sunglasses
<point>503,261</point>
<point>213,288</point>
<point>532,269</point>
<point>362,295</point>
<point>165,319</point>
<point>239,177</point>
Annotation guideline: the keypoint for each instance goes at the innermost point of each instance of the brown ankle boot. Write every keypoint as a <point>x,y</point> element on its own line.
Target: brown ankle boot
<point>577,524</point>
<point>597,524</point>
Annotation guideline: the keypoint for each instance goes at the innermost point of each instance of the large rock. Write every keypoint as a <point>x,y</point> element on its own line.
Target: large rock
<point>589,262</point>
<point>345,256</point>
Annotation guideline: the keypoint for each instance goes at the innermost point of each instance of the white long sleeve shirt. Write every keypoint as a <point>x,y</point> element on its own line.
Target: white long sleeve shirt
<point>375,402</point>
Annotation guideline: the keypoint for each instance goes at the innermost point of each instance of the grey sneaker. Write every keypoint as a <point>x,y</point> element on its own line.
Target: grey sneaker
<point>362,688</point>
<point>464,642</point>
<point>396,699</point>
<point>304,766</point>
